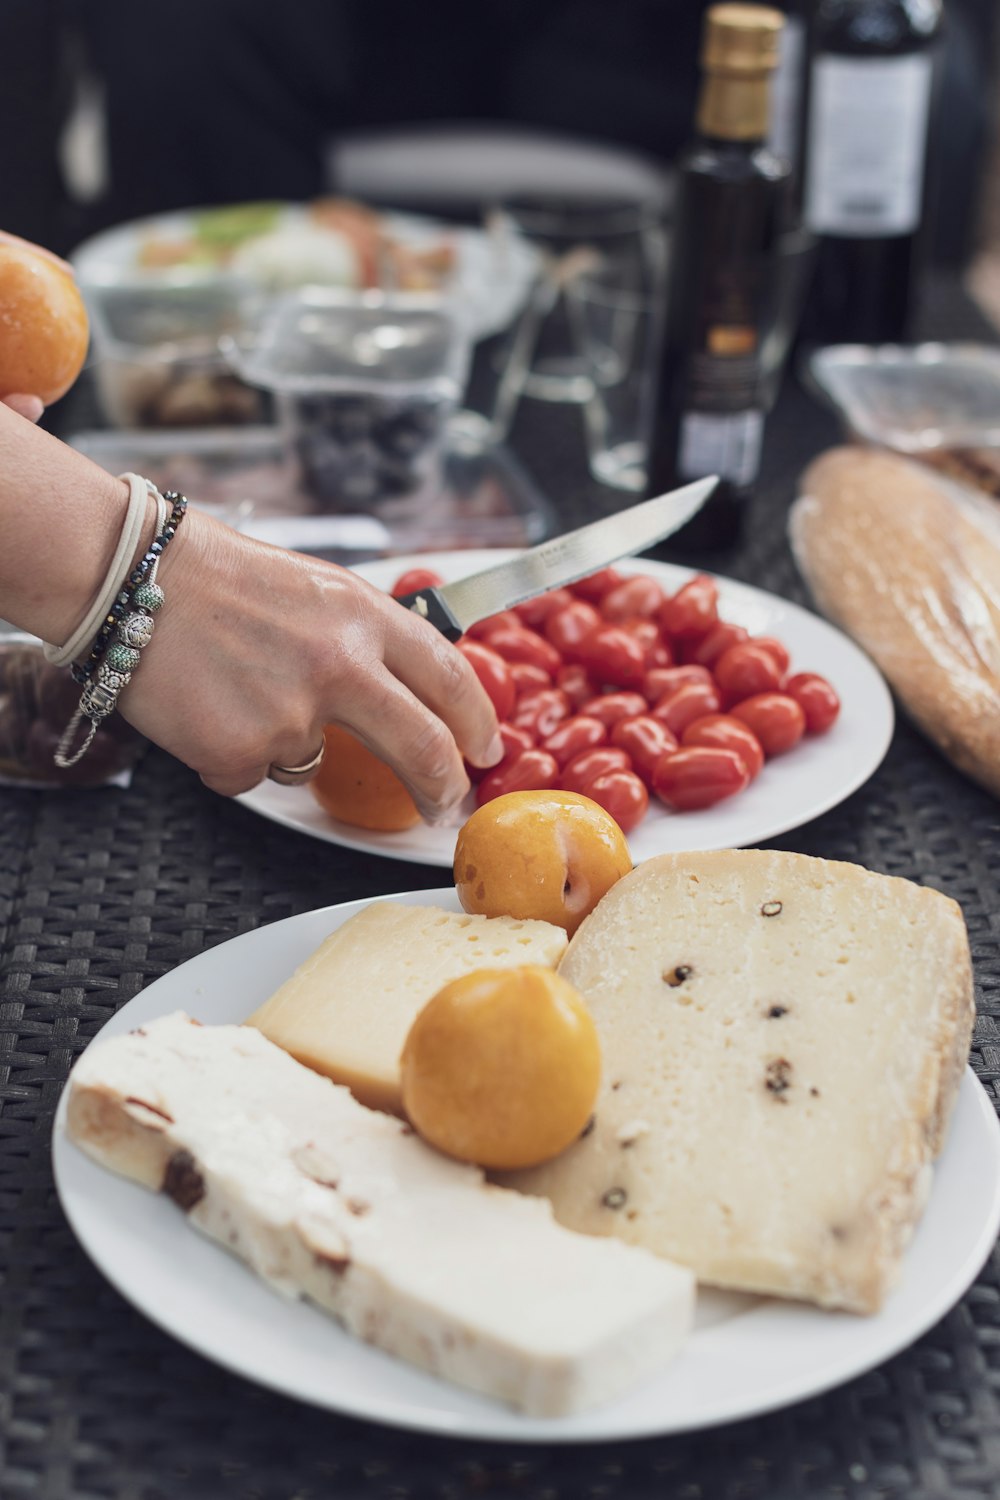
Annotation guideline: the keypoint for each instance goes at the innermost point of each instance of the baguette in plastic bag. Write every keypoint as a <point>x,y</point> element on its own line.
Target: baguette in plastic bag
<point>908,564</point>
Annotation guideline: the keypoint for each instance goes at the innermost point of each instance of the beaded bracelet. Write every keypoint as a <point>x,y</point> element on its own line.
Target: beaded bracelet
<point>109,666</point>
<point>143,572</point>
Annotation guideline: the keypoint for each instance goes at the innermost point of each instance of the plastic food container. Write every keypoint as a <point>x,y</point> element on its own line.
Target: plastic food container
<point>36,703</point>
<point>364,389</point>
<point>914,399</point>
<point>156,355</point>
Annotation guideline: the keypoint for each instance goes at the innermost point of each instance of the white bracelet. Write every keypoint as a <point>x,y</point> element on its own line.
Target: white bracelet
<point>128,544</point>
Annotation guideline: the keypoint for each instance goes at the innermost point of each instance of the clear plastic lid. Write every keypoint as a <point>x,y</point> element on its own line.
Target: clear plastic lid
<point>917,398</point>
<point>317,341</point>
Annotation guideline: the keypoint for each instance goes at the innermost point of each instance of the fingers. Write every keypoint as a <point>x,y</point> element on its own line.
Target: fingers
<point>441,677</point>
<point>411,739</point>
<point>30,407</point>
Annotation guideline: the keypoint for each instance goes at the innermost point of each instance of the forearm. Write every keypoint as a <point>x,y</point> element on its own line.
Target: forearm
<point>60,519</point>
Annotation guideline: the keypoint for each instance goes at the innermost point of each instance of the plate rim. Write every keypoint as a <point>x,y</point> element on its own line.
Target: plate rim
<point>266,801</point>
<point>497,1422</point>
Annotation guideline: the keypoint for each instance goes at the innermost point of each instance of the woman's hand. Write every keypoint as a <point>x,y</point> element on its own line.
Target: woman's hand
<point>256,649</point>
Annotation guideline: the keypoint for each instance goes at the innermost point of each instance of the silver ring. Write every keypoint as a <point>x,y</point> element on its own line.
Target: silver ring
<point>292,775</point>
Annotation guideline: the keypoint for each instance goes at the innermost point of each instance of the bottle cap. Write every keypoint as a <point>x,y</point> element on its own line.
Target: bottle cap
<point>741,38</point>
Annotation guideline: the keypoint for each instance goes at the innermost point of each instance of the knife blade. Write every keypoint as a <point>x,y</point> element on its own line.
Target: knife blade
<point>453,607</point>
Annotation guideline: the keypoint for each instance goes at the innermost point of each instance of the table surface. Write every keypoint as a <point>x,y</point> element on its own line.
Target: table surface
<point>100,893</point>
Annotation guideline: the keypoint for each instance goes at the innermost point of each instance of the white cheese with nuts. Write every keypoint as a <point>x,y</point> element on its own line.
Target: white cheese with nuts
<point>792,1031</point>
<point>340,1204</point>
<point>348,1007</point>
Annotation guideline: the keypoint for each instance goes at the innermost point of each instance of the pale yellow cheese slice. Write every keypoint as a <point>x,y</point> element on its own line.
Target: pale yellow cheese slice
<point>347,1009</point>
<point>782,1041</point>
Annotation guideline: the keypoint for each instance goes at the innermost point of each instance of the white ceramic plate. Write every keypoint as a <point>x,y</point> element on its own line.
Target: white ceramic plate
<point>746,1356</point>
<point>791,790</point>
<point>491,281</point>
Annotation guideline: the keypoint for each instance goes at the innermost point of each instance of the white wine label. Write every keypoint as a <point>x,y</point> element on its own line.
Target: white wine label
<point>723,443</point>
<point>786,90</point>
<point>867,134</point>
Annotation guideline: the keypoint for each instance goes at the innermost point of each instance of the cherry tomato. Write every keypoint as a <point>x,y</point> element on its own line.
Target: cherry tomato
<point>706,652</point>
<point>777,720</point>
<point>596,585</point>
<point>816,698</point>
<point>622,794</point>
<point>573,736</point>
<point>692,700</point>
<point>647,633</point>
<point>515,742</point>
<point>415,579</point>
<point>505,620</point>
<point>659,681</point>
<point>567,628</point>
<point>540,712</point>
<point>777,648</point>
<point>582,769</point>
<point>611,655</point>
<point>634,597</point>
<point>535,612</point>
<point>575,683</point>
<point>521,644</point>
<point>692,611</point>
<point>531,771</point>
<point>727,733</point>
<point>494,674</point>
<point>646,739</point>
<point>699,776</point>
<point>527,678</point>
<point>614,706</point>
<point>744,670</point>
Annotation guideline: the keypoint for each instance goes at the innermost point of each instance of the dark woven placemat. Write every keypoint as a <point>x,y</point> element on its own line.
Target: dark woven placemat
<point>99,894</point>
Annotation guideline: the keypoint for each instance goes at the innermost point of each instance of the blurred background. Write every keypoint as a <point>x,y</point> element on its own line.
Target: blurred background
<point>112,109</point>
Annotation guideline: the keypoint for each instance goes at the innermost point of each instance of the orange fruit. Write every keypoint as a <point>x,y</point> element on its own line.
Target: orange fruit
<point>43,322</point>
<point>501,1067</point>
<point>354,786</point>
<point>546,855</point>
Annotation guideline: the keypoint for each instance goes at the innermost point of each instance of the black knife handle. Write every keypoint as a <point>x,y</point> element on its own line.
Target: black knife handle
<point>429,604</point>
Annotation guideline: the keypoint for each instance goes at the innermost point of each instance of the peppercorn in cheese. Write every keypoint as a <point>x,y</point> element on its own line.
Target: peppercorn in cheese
<point>791,1033</point>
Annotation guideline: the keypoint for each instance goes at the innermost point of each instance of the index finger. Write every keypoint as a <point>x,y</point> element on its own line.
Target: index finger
<point>425,662</point>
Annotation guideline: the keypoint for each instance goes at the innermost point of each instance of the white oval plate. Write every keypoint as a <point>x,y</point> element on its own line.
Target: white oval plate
<point>815,776</point>
<point>746,1355</point>
<point>491,281</point>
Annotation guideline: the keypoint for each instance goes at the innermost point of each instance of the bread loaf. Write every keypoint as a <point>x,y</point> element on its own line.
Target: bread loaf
<point>783,1039</point>
<point>909,565</point>
<point>348,1007</point>
<point>345,1206</point>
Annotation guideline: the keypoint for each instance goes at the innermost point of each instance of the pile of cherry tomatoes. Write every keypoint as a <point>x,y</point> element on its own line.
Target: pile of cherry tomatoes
<point>615,689</point>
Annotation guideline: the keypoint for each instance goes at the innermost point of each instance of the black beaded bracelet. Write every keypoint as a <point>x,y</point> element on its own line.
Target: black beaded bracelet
<point>83,672</point>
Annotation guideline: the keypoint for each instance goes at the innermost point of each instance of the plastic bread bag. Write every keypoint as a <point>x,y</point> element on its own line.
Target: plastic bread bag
<point>36,703</point>
<point>907,562</point>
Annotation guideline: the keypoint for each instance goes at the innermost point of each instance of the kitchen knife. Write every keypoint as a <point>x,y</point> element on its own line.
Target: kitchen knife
<point>453,607</point>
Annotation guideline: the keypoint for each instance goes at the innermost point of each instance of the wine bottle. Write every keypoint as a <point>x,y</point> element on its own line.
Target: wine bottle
<point>865,168</point>
<point>729,214</point>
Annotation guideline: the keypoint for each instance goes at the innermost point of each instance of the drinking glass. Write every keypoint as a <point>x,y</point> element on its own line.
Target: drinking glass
<point>619,238</point>
<point>618,334</point>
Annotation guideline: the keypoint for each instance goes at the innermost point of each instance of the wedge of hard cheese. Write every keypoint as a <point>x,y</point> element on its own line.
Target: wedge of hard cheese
<point>782,1042</point>
<point>347,1009</point>
<point>334,1202</point>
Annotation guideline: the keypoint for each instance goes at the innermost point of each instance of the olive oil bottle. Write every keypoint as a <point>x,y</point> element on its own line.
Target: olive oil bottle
<point>732,206</point>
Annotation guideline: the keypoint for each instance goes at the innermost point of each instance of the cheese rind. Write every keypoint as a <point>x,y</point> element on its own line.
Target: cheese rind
<point>412,1251</point>
<point>782,1040</point>
<point>348,1007</point>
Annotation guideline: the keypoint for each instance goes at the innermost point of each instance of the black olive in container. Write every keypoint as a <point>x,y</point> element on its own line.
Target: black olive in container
<point>364,388</point>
